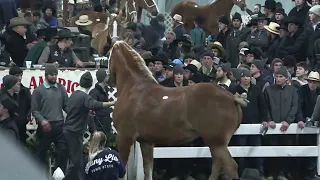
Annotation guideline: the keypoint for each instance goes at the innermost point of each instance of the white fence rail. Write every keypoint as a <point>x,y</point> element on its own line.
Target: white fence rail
<point>236,151</point>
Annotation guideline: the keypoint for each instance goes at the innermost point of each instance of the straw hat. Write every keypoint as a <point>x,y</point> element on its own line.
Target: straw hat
<point>273,28</point>
<point>18,21</point>
<point>216,45</point>
<point>313,76</point>
<point>178,18</point>
<point>196,63</point>
<point>83,21</point>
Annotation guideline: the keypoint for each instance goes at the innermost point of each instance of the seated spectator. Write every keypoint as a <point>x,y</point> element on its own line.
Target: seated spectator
<point>208,66</point>
<point>61,54</point>
<point>83,22</point>
<point>217,49</point>
<point>178,79</point>
<point>14,41</point>
<point>110,168</point>
<point>38,22</point>
<point>194,79</point>
<point>301,75</point>
<point>36,51</point>
<point>50,14</point>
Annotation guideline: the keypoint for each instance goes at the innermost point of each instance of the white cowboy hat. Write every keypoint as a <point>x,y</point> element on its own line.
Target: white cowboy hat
<point>272,27</point>
<point>196,63</point>
<point>313,76</point>
<point>178,18</point>
<point>71,2</point>
<point>83,21</point>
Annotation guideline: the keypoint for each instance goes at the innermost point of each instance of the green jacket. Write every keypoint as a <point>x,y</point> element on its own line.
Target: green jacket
<point>198,36</point>
<point>35,52</point>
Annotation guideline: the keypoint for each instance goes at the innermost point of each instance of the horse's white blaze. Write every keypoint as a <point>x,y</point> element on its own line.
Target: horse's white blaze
<point>165,97</point>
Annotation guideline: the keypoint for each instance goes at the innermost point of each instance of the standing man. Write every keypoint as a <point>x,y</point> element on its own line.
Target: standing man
<point>24,103</point>
<point>102,119</point>
<point>47,102</point>
<point>79,105</point>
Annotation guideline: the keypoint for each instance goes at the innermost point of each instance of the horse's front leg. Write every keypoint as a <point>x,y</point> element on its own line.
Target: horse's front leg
<point>147,156</point>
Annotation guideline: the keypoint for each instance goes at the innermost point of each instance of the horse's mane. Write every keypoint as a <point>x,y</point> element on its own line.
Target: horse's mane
<point>139,61</point>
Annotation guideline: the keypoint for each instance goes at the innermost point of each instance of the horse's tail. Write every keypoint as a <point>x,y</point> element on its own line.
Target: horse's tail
<point>241,99</point>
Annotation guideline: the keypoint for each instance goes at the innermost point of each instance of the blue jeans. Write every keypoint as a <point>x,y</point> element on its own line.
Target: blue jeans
<point>244,162</point>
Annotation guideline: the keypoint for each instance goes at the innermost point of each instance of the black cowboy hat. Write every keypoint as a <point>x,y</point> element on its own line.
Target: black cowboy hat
<point>9,104</point>
<point>283,26</point>
<point>270,4</point>
<point>49,5</point>
<point>183,39</point>
<point>192,68</point>
<point>50,32</point>
<point>64,33</point>
<point>196,78</point>
<point>294,20</point>
<point>162,57</point>
<point>257,52</point>
<point>253,22</point>
<point>262,17</point>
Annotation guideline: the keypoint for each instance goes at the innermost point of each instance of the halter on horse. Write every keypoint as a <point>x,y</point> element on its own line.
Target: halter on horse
<point>152,114</point>
<point>134,8</point>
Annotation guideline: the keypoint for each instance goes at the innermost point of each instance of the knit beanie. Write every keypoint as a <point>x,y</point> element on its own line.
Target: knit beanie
<point>237,16</point>
<point>178,70</point>
<point>101,75</point>
<point>207,53</point>
<point>289,61</point>
<point>259,64</point>
<point>245,72</point>
<point>224,20</point>
<point>226,67</point>
<point>276,60</point>
<point>9,81</point>
<point>50,69</point>
<point>86,80</point>
<point>15,70</point>
<point>282,71</point>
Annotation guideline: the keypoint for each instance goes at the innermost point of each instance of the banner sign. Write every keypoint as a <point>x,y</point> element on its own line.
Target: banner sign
<point>33,78</point>
<point>68,78</point>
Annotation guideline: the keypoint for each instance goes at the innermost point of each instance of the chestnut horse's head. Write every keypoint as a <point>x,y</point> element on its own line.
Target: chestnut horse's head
<point>124,60</point>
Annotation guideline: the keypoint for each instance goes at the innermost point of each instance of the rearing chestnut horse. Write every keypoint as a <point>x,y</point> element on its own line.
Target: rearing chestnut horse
<point>153,114</point>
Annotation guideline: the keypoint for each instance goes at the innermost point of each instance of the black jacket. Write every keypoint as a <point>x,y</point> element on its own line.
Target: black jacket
<point>255,112</point>
<point>282,103</point>
<point>307,101</point>
<point>16,46</point>
<point>102,119</point>
<point>10,127</point>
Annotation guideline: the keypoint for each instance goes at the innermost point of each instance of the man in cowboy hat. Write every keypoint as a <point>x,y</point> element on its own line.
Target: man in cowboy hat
<point>60,53</point>
<point>178,27</point>
<point>49,39</point>
<point>83,23</point>
<point>14,41</point>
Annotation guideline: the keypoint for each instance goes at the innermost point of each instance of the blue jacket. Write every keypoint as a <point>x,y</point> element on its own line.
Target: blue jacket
<point>106,165</point>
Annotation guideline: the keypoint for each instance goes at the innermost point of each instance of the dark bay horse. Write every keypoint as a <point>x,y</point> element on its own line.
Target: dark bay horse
<point>210,13</point>
<point>153,114</point>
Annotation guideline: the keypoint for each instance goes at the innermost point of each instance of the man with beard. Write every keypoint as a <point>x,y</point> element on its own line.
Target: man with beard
<point>222,76</point>
<point>24,103</point>
<point>207,66</point>
<point>47,102</point>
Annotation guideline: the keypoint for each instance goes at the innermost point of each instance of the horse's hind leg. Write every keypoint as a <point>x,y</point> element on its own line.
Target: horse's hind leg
<point>147,155</point>
<point>222,160</point>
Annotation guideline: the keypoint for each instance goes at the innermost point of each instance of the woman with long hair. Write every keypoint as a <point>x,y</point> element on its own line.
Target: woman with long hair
<point>103,163</point>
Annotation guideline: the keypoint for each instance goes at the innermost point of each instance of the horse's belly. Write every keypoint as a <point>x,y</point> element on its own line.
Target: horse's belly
<point>168,136</point>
